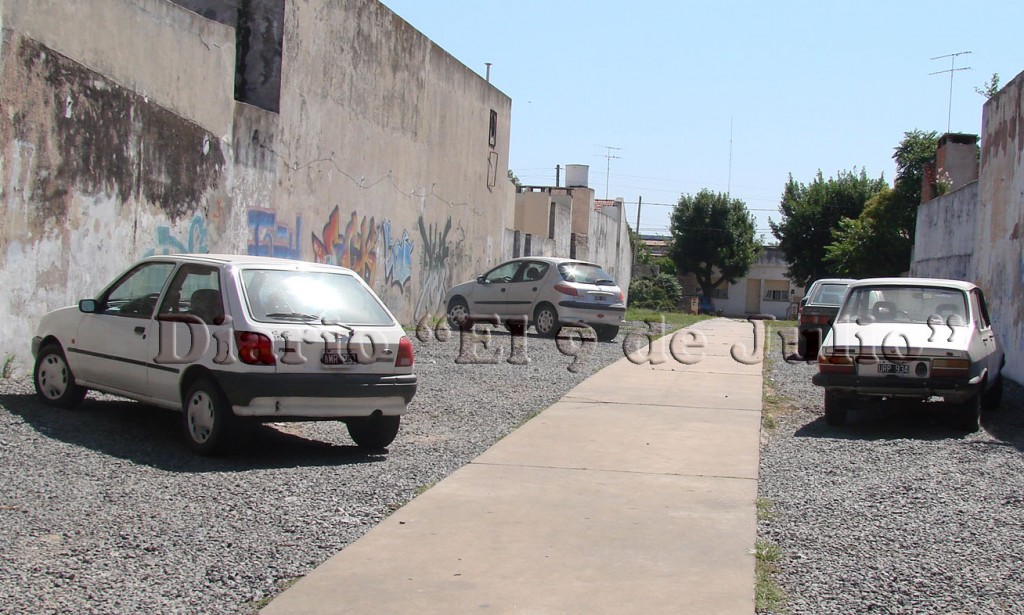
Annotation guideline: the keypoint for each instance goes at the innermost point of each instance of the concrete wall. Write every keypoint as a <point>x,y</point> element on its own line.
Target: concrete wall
<point>999,235</point>
<point>533,211</point>
<point>100,169</point>
<point>944,238</point>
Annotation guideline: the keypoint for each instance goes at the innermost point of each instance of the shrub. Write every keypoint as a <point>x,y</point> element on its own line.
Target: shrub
<point>661,292</point>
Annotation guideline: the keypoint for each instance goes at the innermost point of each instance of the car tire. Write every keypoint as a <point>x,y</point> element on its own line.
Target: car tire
<point>993,397</point>
<point>206,417</point>
<point>54,380</point>
<point>969,414</point>
<point>458,314</point>
<point>835,409</point>
<point>606,333</point>
<point>374,432</point>
<point>545,320</point>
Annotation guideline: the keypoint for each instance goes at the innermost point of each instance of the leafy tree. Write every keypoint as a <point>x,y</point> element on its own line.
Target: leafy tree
<point>638,247</point>
<point>665,265</point>
<point>811,212</point>
<point>661,292</point>
<point>878,241</point>
<point>714,237</point>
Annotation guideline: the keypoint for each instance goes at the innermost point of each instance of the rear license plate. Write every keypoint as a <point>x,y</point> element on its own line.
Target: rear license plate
<point>333,357</point>
<point>893,368</point>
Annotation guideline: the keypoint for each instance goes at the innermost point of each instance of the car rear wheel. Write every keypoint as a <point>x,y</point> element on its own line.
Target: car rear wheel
<point>458,314</point>
<point>55,383</point>
<point>374,432</point>
<point>969,416</point>
<point>993,397</point>
<point>207,417</point>
<point>545,319</point>
<point>606,333</point>
<point>835,409</point>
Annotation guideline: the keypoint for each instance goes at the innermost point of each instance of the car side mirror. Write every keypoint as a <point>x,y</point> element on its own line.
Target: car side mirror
<point>481,280</point>
<point>87,305</point>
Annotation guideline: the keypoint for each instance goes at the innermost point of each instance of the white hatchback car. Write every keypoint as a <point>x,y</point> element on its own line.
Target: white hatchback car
<point>545,291</point>
<point>225,338</point>
<point>912,338</point>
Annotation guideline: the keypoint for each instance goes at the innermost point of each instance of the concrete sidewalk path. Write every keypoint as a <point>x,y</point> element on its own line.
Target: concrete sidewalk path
<point>635,493</point>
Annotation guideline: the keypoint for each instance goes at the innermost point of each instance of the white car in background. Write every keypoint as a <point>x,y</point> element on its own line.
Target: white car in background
<point>224,338</point>
<point>912,338</point>
<point>546,292</point>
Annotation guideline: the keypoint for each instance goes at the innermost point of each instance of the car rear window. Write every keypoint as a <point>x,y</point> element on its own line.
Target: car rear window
<point>828,294</point>
<point>585,273</point>
<point>910,304</point>
<point>275,295</point>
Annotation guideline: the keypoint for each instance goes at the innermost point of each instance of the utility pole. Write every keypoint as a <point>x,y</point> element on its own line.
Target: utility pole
<point>636,242</point>
<point>952,69</point>
<point>558,175</point>
<point>608,167</point>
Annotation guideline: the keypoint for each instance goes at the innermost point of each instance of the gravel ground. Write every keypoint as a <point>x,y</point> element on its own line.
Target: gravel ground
<point>104,510</point>
<point>897,511</point>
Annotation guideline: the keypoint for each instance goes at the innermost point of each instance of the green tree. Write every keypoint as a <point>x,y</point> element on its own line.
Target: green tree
<point>878,241</point>
<point>714,237</point>
<point>990,87</point>
<point>811,212</point>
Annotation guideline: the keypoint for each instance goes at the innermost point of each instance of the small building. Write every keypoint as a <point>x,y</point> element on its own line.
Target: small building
<point>764,290</point>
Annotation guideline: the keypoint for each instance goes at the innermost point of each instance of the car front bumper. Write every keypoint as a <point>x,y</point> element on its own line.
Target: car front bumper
<point>950,389</point>
<point>316,395</point>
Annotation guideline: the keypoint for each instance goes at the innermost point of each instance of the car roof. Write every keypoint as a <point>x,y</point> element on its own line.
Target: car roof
<point>246,260</point>
<point>834,281</point>
<point>554,260</point>
<point>939,282</point>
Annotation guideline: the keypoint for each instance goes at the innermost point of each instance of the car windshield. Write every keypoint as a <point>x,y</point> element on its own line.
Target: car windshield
<point>311,296</point>
<point>585,273</point>
<point>906,304</point>
<point>828,294</point>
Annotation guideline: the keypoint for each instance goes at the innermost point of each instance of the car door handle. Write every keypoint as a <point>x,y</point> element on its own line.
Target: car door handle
<point>534,288</point>
<point>140,330</point>
<point>503,290</point>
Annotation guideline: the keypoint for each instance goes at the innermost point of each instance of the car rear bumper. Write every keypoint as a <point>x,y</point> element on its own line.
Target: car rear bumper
<point>953,389</point>
<point>316,395</point>
<point>574,311</point>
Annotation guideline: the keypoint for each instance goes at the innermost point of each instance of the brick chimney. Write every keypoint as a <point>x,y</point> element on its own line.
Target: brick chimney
<point>955,166</point>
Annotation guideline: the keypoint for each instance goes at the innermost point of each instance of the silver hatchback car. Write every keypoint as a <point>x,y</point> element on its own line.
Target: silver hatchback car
<point>546,292</point>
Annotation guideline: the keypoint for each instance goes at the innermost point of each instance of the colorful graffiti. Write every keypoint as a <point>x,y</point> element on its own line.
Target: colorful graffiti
<point>354,247</point>
<point>268,237</point>
<point>439,258</point>
<point>397,257</point>
<point>195,242</point>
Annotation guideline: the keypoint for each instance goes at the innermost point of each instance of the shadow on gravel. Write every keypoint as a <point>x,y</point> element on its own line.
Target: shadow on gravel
<point>153,436</point>
<point>893,420</point>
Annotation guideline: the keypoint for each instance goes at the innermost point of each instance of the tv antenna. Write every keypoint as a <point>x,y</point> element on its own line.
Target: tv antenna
<point>952,69</point>
<point>608,166</point>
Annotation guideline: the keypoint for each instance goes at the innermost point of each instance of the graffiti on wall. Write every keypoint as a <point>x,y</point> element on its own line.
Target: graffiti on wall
<point>354,246</point>
<point>397,257</point>
<point>268,237</point>
<point>195,241</point>
<point>440,257</point>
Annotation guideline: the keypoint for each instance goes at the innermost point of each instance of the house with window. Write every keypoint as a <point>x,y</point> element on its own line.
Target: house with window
<point>764,290</point>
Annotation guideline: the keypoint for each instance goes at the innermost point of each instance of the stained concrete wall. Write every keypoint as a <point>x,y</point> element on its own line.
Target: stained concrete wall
<point>999,235</point>
<point>944,243</point>
<point>607,243</point>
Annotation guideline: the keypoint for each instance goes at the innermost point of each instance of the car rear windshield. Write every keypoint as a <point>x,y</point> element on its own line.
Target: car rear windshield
<point>908,304</point>
<point>585,273</point>
<point>275,295</point>
<point>828,294</point>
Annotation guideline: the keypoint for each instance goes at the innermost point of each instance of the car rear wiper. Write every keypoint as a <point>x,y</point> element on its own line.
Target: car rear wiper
<point>605,282</point>
<point>293,316</point>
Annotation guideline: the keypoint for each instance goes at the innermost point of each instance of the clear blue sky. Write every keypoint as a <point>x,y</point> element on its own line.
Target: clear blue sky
<point>800,86</point>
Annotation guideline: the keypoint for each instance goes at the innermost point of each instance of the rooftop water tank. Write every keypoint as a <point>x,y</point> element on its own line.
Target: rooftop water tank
<point>576,175</point>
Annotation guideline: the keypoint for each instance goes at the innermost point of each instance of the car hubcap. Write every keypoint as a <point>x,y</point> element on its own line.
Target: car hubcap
<point>545,320</point>
<point>458,313</point>
<point>200,416</point>
<point>53,377</point>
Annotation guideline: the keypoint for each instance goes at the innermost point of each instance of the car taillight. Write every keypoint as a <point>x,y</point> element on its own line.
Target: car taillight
<point>255,348</point>
<point>405,356</point>
<point>950,367</point>
<point>835,364</point>
<point>622,297</point>
<point>565,289</point>
<point>811,319</point>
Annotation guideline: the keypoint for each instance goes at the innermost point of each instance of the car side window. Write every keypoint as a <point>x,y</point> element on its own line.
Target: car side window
<point>503,273</point>
<point>195,290</point>
<point>980,309</point>
<point>531,272</point>
<point>136,293</point>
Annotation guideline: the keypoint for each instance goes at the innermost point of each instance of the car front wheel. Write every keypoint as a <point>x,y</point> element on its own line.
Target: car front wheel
<point>374,432</point>
<point>55,383</point>
<point>207,417</point>
<point>545,319</point>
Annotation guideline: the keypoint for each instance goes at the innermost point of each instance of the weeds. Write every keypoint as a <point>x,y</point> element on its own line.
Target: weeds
<point>8,367</point>
<point>768,596</point>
